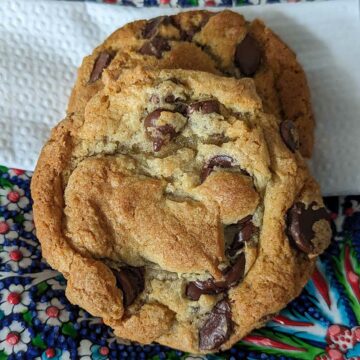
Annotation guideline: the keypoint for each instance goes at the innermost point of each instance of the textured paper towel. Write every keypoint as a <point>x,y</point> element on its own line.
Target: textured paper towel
<point>42,43</point>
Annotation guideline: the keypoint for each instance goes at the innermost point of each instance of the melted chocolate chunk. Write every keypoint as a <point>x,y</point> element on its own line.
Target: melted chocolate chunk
<point>209,287</point>
<point>204,20</point>
<point>151,27</point>
<point>232,276</point>
<point>170,99</point>
<point>235,273</point>
<point>175,81</point>
<point>205,107</point>
<point>188,34</point>
<point>101,63</point>
<point>300,223</point>
<point>131,281</point>
<point>217,328</point>
<point>151,118</point>
<point>289,135</point>
<point>242,232</point>
<point>159,134</point>
<point>155,47</point>
<point>231,234</point>
<point>222,161</point>
<point>248,56</point>
<point>181,108</point>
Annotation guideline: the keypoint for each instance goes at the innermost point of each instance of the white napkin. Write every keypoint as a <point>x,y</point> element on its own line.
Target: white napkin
<point>42,43</point>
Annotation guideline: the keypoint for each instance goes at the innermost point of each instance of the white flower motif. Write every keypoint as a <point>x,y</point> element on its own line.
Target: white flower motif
<point>89,351</point>
<point>7,231</point>
<point>52,313</point>
<point>65,355</point>
<point>21,174</point>
<point>14,300</point>
<point>13,198</point>
<point>355,207</point>
<point>57,283</point>
<point>16,257</point>
<point>28,224</point>
<point>84,351</point>
<point>14,338</point>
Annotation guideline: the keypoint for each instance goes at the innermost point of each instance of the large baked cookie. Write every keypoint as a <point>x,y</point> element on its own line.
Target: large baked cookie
<point>177,210</point>
<point>221,43</point>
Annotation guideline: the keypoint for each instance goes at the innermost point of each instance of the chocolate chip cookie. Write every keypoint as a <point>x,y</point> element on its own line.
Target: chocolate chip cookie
<point>222,43</point>
<point>178,211</point>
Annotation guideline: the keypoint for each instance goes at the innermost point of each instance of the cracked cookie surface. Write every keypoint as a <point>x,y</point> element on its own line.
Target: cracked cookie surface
<point>222,43</point>
<point>178,210</point>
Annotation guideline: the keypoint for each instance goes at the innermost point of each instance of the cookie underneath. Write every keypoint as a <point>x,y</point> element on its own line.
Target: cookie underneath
<point>222,43</point>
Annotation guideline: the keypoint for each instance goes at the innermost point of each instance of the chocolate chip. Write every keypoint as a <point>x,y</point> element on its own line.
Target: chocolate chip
<point>289,135</point>
<point>205,107</point>
<point>151,27</point>
<point>204,20</point>
<point>300,223</point>
<point>247,56</point>
<point>150,120</point>
<point>245,220</point>
<point>246,232</point>
<point>159,134</point>
<point>155,47</point>
<point>181,108</point>
<point>188,34</point>
<point>235,273</point>
<point>231,233</point>
<point>217,328</point>
<point>222,161</point>
<point>241,233</point>
<point>131,281</point>
<point>176,81</point>
<point>170,99</point>
<point>232,275</point>
<point>197,288</point>
<point>101,63</point>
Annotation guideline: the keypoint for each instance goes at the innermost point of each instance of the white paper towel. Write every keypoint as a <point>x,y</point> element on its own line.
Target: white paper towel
<point>42,43</point>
